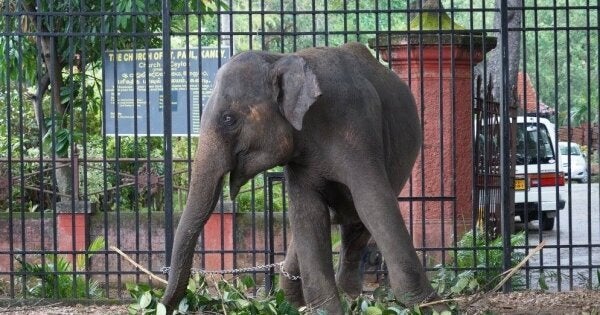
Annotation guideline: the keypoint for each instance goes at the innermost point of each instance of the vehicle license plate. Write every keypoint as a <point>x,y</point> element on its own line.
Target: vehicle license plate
<point>519,184</point>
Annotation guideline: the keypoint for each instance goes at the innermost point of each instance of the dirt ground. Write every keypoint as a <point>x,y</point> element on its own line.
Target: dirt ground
<point>530,302</point>
<point>576,302</point>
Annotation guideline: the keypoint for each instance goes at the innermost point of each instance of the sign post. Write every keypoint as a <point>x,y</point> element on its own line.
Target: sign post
<point>133,81</point>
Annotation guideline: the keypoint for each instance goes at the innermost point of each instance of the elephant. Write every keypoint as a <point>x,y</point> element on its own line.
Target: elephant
<point>347,131</point>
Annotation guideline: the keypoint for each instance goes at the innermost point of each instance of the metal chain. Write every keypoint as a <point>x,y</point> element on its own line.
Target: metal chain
<point>165,270</point>
<point>287,274</point>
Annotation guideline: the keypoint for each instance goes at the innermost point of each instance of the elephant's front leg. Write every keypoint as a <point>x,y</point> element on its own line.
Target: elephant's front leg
<point>311,230</point>
<point>291,287</point>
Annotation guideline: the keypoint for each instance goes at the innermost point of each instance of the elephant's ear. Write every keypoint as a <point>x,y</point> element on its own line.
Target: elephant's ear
<point>297,88</point>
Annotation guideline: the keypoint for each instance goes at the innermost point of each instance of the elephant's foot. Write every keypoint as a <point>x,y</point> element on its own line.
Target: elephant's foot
<point>427,299</point>
<point>329,303</point>
<point>349,278</point>
<point>292,290</point>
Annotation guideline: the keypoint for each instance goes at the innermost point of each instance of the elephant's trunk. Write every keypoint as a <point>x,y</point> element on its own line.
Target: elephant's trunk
<point>206,182</point>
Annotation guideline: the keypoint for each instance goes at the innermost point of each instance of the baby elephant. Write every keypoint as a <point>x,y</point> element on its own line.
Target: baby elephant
<point>347,131</point>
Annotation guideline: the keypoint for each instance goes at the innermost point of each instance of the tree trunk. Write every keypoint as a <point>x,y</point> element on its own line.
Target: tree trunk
<point>494,60</point>
<point>493,72</point>
<point>50,57</point>
<point>63,170</point>
<point>38,101</point>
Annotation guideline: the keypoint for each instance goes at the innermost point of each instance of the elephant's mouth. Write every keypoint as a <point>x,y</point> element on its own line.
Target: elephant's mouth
<point>237,176</point>
<point>248,163</point>
<point>236,181</point>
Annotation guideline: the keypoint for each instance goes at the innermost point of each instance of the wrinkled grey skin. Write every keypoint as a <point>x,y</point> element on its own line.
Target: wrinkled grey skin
<point>347,131</point>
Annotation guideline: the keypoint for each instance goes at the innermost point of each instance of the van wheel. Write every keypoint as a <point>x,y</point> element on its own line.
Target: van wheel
<point>547,223</point>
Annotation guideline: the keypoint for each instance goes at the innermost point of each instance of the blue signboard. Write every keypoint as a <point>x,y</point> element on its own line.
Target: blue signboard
<point>133,89</point>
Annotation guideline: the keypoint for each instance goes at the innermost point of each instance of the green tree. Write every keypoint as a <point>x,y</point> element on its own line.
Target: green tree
<point>53,61</point>
<point>561,58</point>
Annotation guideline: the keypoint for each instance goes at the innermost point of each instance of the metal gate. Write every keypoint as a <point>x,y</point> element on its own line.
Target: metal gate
<point>97,135</point>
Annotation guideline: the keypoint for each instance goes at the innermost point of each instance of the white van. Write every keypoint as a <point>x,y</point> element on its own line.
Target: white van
<point>538,173</point>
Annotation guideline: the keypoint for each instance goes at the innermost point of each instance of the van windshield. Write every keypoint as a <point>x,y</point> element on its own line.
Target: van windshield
<point>564,150</point>
<point>533,144</point>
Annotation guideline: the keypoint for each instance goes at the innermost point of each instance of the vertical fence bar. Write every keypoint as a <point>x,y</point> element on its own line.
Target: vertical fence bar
<point>104,166</point>
<point>9,154</point>
<point>269,285</point>
<point>505,189</point>
<point>84,141</point>
<point>168,158</point>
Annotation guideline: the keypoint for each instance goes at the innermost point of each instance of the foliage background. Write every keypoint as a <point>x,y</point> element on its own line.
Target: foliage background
<point>57,116</point>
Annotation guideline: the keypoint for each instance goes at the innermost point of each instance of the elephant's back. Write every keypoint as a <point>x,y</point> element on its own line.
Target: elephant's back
<point>400,124</point>
<point>401,128</point>
<point>349,73</point>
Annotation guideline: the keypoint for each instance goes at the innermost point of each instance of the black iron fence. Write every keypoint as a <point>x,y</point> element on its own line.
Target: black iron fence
<point>100,103</point>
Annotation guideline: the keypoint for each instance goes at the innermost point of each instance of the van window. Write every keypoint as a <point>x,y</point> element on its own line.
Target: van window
<point>533,144</point>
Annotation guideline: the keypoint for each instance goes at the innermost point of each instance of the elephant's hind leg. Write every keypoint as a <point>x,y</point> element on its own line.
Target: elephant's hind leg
<point>377,207</point>
<point>349,277</point>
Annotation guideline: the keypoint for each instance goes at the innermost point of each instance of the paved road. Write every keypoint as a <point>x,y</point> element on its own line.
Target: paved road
<point>578,226</point>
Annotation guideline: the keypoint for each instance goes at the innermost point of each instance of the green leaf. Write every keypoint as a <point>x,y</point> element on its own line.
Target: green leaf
<point>373,310</point>
<point>542,282</point>
<point>279,296</point>
<point>161,309</point>
<point>473,284</point>
<point>242,303</point>
<point>145,299</point>
<point>272,308</point>
<point>141,287</point>
<point>460,285</point>
<point>183,306</point>
<point>392,311</point>
<point>364,305</point>
<point>192,286</point>
<point>133,308</point>
<point>248,281</point>
<point>131,287</point>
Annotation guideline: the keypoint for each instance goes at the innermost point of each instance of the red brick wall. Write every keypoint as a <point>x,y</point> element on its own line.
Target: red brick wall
<point>145,234</point>
<point>27,237</point>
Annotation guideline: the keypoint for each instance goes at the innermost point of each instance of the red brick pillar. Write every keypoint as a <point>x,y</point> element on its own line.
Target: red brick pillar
<point>438,69</point>
<point>72,228</point>
<point>218,239</point>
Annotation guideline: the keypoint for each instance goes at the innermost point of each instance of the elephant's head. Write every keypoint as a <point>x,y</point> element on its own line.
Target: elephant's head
<point>247,127</point>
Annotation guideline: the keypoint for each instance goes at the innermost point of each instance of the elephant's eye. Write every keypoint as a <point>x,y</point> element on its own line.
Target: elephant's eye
<point>228,120</point>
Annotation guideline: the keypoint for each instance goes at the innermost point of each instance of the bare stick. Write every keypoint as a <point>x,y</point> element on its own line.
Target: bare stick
<point>516,268</point>
<point>219,293</point>
<point>144,270</point>
<point>432,303</point>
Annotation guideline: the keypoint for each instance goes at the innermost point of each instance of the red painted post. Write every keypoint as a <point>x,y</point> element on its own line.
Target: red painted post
<point>438,69</point>
<point>218,239</point>
<point>72,233</point>
<point>72,224</point>
<point>73,228</point>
